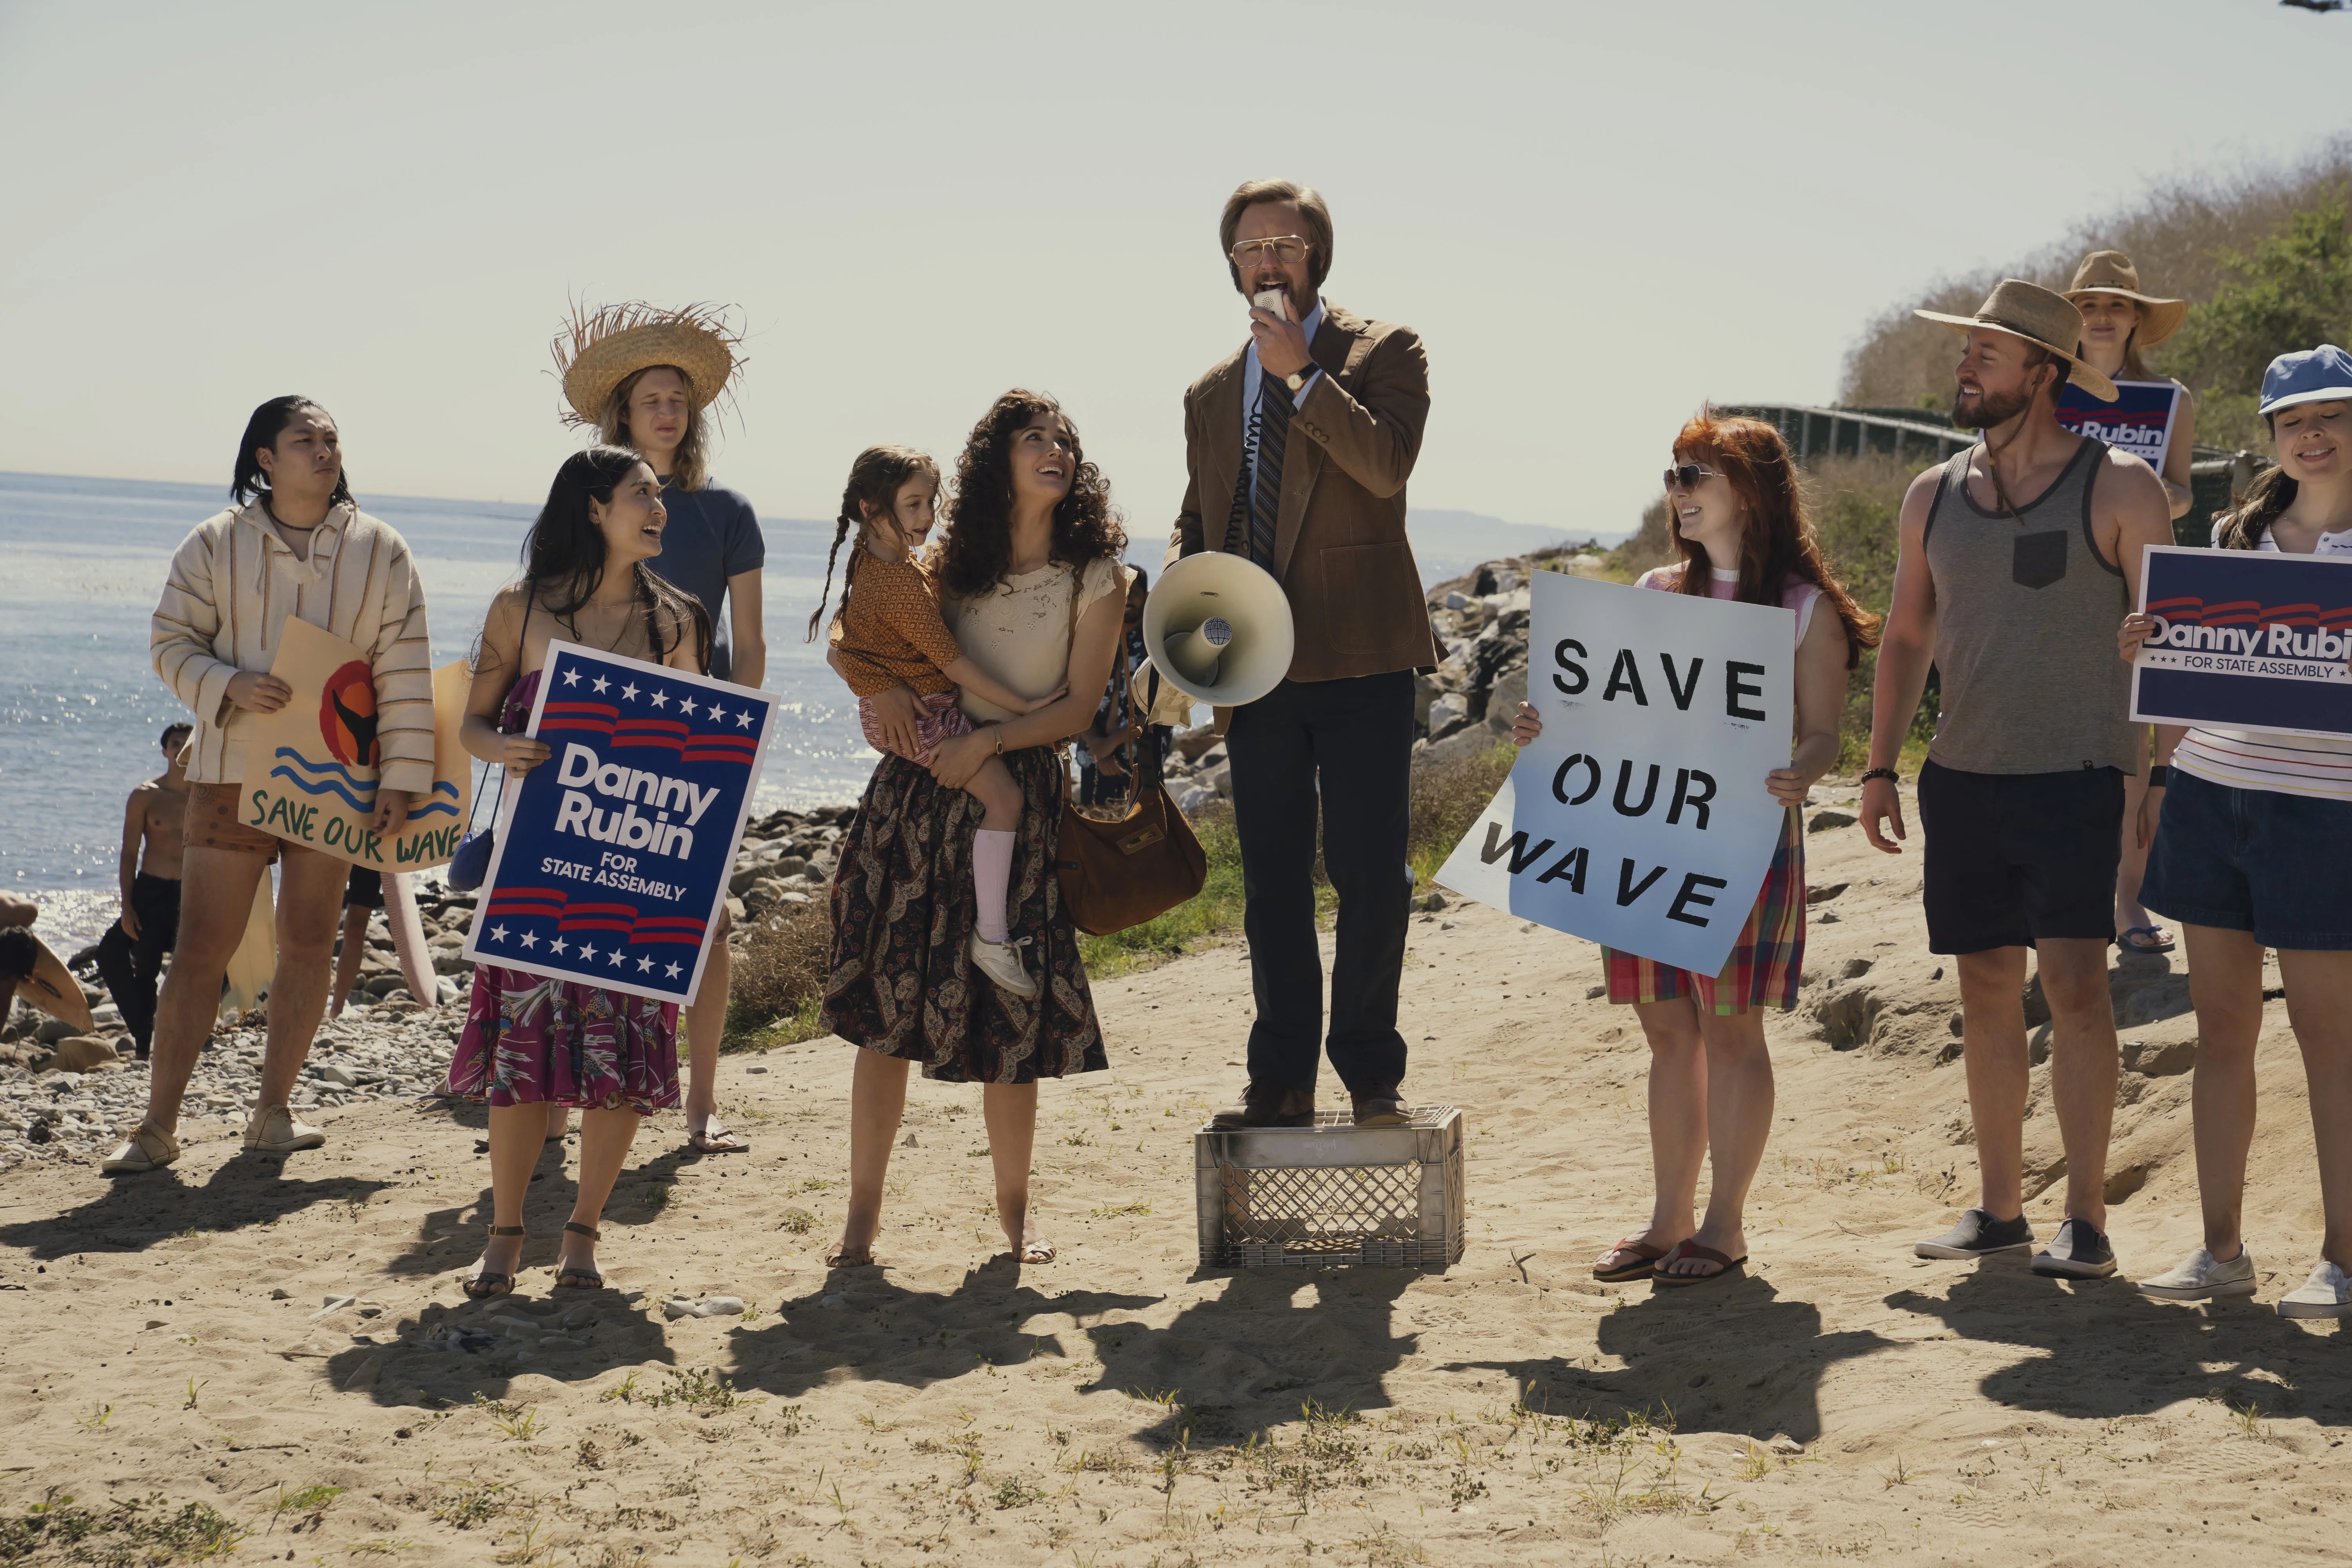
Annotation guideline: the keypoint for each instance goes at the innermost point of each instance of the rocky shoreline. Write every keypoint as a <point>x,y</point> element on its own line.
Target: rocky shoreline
<point>70,1096</point>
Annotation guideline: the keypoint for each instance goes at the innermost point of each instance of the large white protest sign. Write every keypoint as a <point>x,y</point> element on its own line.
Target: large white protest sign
<point>1640,818</point>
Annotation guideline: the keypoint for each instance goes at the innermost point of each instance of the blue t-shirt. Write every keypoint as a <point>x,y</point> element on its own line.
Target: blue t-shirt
<point>712,534</point>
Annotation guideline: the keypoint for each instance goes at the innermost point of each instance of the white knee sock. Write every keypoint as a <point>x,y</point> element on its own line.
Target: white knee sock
<point>991,872</point>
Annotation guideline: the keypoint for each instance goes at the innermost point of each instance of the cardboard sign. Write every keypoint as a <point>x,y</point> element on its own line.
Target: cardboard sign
<point>2139,420</point>
<point>2245,639</point>
<point>311,767</point>
<point>614,854</point>
<point>1639,817</point>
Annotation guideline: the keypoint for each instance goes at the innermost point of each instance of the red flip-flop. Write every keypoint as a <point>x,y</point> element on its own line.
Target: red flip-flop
<point>1682,1249</point>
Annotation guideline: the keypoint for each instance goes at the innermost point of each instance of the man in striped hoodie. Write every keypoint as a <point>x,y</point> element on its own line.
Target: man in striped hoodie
<point>294,545</point>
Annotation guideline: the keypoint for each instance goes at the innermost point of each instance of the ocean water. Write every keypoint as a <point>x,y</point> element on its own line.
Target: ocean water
<point>82,710</point>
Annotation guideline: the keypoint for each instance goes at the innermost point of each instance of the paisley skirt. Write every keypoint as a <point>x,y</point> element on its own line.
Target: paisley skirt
<point>530,1040</point>
<point>901,980</point>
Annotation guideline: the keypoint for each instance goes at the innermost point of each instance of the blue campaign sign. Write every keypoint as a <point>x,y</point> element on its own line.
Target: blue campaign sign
<point>614,854</point>
<point>2246,640</point>
<point>2139,420</point>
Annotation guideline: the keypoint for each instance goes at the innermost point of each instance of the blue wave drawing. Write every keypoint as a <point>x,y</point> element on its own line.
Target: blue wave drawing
<point>329,787</point>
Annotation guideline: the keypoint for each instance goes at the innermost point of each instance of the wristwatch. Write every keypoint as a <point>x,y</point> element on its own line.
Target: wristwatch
<point>1296,380</point>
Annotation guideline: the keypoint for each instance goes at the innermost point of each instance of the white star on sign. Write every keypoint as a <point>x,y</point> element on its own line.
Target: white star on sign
<point>686,706</point>
<point>497,933</point>
<point>717,715</point>
<point>617,956</point>
<point>599,684</point>
<point>529,940</point>
<point>645,965</point>
<point>571,677</point>
<point>743,720</point>
<point>586,953</point>
<point>630,691</point>
<point>671,972</point>
<point>556,947</point>
<point>660,698</point>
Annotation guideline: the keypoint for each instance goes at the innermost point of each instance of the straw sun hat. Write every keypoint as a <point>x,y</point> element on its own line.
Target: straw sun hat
<point>2112,272</point>
<point>596,350</point>
<point>2045,319</point>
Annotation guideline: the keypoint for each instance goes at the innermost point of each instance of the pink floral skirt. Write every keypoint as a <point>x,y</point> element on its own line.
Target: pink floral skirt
<point>938,718</point>
<point>530,1040</point>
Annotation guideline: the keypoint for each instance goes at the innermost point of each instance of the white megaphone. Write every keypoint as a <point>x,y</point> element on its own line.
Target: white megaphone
<point>1218,628</point>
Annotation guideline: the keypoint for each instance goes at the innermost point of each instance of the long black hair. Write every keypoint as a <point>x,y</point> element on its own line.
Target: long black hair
<point>268,422</point>
<point>563,555</point>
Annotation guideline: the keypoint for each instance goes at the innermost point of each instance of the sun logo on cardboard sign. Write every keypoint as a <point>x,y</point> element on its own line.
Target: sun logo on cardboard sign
<point>347,715</point>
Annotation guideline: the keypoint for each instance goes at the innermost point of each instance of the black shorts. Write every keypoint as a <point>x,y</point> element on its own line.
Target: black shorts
<point>2013,857</point>
<point>364,890</point>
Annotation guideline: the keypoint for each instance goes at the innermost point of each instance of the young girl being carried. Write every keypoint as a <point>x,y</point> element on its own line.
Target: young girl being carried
<point>887,632</point>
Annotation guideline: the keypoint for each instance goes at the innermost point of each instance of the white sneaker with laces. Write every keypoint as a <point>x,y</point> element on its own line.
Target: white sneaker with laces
<point>278,1130</point>
<point>1001,961</point>
<point>2201,1277</point>
<point>2326,1294</point>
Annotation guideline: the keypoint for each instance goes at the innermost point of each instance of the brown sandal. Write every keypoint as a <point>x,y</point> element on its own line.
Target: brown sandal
<point>485,1286</point>
<point>580,1279</point>
<point>1644,1258</point>
<point>1682,1249</point>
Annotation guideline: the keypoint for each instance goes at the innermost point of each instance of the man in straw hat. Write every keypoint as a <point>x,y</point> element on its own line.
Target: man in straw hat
<point>644,377</point>
<point>2019,557</point>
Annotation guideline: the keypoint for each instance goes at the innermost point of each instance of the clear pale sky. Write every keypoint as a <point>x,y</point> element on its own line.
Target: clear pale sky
<point>1596,215</point>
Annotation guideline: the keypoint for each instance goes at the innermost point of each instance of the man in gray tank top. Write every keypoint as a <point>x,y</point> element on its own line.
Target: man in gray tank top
<point>2019,559</point>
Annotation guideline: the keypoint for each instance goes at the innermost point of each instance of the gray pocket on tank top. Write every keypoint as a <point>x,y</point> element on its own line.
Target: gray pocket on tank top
<point>2039,560</point>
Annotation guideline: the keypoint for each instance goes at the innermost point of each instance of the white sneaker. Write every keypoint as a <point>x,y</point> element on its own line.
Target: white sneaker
<point>1001,961</point>
<point>278,1130</point>
<point>148,1149</point>
<point>2201,1277</point>
<point>2326,1294</point>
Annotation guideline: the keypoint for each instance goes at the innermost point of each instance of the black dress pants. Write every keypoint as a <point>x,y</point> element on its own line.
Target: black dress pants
<point>128,967</point>
<point>1353,738</point>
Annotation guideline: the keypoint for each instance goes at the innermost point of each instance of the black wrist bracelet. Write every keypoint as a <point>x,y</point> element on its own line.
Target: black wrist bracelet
<point>2159,776</point>
<point>1889,774</point>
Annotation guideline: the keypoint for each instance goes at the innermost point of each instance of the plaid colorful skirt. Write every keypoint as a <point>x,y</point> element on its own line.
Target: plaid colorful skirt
<point>1765,963</point>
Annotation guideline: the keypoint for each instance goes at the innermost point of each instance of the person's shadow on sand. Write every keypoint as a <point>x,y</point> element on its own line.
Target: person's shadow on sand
<point>136,1212</point>
<point>861,1323</point>
<point>1729,1357</point>
<point>2107,1351</point>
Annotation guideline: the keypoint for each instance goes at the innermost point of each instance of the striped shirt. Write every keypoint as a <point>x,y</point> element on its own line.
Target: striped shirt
<point>233,584</point>
<point>2316,766</point>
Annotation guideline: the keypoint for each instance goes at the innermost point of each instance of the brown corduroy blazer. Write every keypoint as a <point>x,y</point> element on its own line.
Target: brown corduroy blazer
<point>1340,548</point>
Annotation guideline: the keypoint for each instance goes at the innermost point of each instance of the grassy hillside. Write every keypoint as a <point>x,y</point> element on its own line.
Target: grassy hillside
<point>2264,255</point>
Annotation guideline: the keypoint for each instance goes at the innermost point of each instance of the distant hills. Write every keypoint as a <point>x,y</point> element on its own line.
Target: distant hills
<point>1448,543</point>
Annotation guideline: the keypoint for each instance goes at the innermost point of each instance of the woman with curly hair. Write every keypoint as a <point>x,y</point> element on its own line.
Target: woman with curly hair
<point>1030,583</point>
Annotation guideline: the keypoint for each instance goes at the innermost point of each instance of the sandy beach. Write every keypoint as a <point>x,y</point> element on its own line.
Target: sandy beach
<point>279,1347</point>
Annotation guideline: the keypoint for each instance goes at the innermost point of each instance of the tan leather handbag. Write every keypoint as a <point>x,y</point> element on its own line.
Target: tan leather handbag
<point>1122,871</point>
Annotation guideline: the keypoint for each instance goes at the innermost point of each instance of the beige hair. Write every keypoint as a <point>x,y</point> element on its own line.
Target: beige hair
<point>691,469</point>
<point>1311,209</point>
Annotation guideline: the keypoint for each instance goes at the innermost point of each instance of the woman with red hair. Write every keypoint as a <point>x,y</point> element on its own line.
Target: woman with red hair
<point>1737,520</point>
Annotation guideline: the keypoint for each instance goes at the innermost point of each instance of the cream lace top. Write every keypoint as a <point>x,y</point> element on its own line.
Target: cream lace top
<point>1019,631</point>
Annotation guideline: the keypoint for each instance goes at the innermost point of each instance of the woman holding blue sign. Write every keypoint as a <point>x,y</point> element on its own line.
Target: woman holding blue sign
<point>2252,831</point>
<point>530,1041</point>
<point>2120,324</point>
<point>1032,588</point>
<point>1739,524</point>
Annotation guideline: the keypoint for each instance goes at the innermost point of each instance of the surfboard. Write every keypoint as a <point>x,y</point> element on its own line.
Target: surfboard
<point>408,938</point>
<point>53,990</point>
<point>251,966</point>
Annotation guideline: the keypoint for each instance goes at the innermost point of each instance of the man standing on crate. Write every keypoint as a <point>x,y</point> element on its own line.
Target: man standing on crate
<point>1298,447</point>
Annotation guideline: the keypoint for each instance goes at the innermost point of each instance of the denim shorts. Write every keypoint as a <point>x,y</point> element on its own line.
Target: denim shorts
<point>2253,861</point>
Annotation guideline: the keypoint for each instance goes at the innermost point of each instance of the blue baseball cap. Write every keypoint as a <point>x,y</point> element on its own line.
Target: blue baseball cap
<point>2323,374</point>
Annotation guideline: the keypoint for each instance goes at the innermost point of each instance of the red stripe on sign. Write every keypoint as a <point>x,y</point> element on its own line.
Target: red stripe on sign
<point>607,709</point>
<point>600,922</point>
<point>527,895</point>
<point>684,939</point>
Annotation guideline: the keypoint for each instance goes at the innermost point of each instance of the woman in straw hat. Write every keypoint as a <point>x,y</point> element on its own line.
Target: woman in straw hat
<point>644,378</point>
<point>2120,324</point>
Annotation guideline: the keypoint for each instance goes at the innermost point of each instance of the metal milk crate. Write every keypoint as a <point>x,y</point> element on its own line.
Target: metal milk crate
<point>1332,1193</point>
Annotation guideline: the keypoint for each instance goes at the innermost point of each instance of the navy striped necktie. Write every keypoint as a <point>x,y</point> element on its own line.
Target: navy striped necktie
<point>1266,496</point>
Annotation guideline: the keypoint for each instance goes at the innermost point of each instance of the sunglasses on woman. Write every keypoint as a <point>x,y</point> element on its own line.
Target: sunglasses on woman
<point>1686,476</point>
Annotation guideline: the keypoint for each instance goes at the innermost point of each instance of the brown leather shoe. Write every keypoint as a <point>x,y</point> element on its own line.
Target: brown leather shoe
<point>1268,1105</point>
<point>1381,1105</point>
